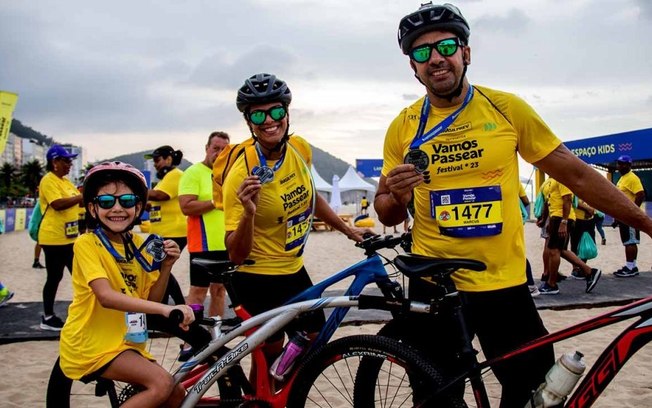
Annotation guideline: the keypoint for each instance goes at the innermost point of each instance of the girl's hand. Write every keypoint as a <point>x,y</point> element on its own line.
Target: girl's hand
<point>188,315</point>
<point>172,252</point>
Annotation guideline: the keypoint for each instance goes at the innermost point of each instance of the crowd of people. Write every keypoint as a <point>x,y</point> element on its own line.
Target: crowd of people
<point>260,210</point>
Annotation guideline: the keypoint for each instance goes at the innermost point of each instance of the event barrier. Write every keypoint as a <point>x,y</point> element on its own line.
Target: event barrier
<point>15,219</point>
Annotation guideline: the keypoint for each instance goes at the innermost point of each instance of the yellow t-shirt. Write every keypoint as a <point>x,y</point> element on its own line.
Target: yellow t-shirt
<point>630,184</point>
<point>57,227</point>
<point>94,335</point>
<point>282,216</point>
<point>556,202</point>
<point>580,213</point>
<point>166,217</point>
<point>468,205</point>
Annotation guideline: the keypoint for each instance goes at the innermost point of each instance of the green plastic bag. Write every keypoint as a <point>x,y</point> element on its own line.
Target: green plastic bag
<point>538,205</point>
<point>35,220</point>
<point>587,248</point>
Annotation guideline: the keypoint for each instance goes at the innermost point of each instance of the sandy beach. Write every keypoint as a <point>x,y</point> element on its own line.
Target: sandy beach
<point>26,365</point>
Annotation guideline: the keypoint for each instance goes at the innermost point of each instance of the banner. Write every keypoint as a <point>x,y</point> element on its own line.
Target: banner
<point>369,167</point>
<point>7,104</point>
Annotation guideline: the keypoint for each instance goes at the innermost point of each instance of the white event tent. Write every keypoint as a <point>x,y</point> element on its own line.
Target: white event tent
<point>353,187</point>
<point>321,185</point>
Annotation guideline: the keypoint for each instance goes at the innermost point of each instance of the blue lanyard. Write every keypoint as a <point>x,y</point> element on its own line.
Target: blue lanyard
<point>263,160</point>
<point>130,251</point>
<point>419,137</point>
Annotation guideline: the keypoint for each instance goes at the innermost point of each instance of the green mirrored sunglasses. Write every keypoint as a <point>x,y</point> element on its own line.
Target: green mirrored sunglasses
<point>445,48</point>
<point>258,116</point>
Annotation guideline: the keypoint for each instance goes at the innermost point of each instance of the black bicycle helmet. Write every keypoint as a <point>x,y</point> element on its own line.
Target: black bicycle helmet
<point>431,17</point>
<point>263,88</point>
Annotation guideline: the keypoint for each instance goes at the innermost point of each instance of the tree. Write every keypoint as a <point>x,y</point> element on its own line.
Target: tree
<point>7,179</point>
<point>31,174</point>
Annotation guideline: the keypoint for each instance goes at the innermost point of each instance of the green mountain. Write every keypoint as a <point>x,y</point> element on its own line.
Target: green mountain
<point>26,132</point>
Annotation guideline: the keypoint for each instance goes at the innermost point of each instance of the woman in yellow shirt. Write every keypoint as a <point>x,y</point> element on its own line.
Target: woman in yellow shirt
<point>165,214</point>
<point>59,200</point>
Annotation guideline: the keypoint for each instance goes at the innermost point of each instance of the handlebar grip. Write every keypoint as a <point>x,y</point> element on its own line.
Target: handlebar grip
<point>176,316</point>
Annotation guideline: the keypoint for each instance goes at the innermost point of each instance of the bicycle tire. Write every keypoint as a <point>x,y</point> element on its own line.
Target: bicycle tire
<point>330,375</point>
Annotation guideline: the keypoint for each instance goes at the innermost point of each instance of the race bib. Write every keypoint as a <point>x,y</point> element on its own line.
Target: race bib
<point>71,229</point>
<point>136,327</point>
<point>155,213</point>
<point>468,212</point>
<point>297,228</point>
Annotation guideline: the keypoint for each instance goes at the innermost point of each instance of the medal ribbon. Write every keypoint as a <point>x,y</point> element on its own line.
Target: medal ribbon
<point>130,250</point>
<point>419,137</point>
<point>263,160</point>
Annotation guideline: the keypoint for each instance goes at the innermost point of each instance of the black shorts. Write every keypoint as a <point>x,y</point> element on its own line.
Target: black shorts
<point>554,240</point>
<point>260,293</point>
<point>629,235</point>
<point>198,276</point>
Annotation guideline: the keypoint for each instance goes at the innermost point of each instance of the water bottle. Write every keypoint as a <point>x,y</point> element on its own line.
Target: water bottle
<point>560,380</point>
<point>291,352</point>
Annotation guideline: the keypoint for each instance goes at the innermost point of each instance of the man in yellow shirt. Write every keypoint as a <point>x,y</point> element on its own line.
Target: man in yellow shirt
<point>631,186</point>
<point>560,227</point>
<point>453,153</point>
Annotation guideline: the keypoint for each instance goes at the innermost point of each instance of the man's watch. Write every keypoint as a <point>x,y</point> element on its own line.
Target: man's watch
<point>564,221</point>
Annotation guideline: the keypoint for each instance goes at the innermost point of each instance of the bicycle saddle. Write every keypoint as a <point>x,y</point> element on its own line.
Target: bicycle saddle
<point>419,266</point>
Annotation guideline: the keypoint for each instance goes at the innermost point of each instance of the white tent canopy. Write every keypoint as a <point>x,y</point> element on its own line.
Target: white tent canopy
<point>353,187</point>
<point>321,185</point>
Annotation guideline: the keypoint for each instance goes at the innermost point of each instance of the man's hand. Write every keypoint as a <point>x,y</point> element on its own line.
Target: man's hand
<point>563,230</point>
<point>248,194</point>
<point>401,180</point>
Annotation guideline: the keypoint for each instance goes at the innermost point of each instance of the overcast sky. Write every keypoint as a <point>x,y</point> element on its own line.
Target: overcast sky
<point>121,76</point>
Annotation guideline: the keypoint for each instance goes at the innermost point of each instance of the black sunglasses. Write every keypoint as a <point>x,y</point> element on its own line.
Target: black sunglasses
<point>445,48</point>
<point>107,201</point>
<point>258,116</point>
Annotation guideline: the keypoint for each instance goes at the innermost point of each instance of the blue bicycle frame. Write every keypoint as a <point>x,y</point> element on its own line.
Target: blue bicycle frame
<point>370,270</point>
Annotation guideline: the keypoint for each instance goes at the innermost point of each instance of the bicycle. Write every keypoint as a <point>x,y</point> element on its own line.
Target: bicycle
<point>203,369</point>
<point>368,376</point>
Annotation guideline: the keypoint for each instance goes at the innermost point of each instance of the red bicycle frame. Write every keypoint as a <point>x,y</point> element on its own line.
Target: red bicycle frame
<point>612,359</point>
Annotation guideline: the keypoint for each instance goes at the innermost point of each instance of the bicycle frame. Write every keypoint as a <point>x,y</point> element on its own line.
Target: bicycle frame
<point>605,368</point>
<point>258,328</point>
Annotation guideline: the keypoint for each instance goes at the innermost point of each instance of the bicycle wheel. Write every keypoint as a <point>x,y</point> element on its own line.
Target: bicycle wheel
<point>331,377</point>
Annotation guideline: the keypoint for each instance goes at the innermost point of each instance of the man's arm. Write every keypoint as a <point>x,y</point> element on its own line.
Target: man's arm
<point>593,188</point>
<point>190,205</point>
<point>394,193</point>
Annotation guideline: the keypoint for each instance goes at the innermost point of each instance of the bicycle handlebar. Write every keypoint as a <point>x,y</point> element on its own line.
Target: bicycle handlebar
<point>373,243</point>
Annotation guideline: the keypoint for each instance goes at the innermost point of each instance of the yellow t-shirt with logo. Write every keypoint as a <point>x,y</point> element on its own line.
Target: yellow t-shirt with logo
<point>57,227</point>
<point>468,205</point>
<point>94,335</point>
<point>283,212</point>
<point>166,217</point>
<point>556,202</point>
<point>630,184</point>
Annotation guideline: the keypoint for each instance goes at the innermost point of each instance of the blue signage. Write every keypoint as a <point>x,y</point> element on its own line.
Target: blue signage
<point>604,150</point>
<point>369,167</point>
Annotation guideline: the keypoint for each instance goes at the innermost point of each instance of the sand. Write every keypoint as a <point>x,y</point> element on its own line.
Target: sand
<point>26,365</point>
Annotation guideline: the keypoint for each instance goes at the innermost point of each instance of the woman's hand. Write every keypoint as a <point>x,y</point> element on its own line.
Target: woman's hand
<point>172,253</point>
<point>188,315</point>
<point>248,194</point>
<point>356,233</point>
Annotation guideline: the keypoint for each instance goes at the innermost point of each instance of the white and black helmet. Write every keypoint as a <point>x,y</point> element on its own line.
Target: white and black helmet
<point>263,88</point>
<point>432,17</point>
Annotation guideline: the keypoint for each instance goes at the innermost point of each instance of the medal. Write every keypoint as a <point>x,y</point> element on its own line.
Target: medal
<point>418,158</point>
<point>154,247</point>
<point>264,173</point>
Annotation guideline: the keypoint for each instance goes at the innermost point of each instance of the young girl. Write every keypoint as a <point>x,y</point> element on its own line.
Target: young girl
<point>112,289</point>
